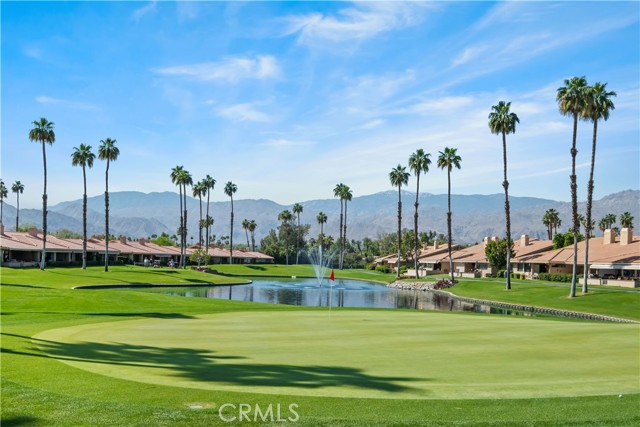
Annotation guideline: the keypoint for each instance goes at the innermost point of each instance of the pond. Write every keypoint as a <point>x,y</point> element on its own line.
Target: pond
<point>344,293</point>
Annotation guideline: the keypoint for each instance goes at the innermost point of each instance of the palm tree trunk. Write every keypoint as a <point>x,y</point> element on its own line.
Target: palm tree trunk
<point>399,230</point>
<point>344,234</point>
<point>298,241</point>
<point>415,225</point>
<point>207,223</point>
<point>44,211</point>
<point>17,210</point>
<point>574,207</point>
<point>449,221</point>
<point>106,219</point>
<point>246,233</point>
<point>2,210</point>
<point>507,215</point>
<point>589,206</point>
<point>184,230</point>
<point>200,224</point>
<point>340,233</point>
<point>231,236</point>
<point>253,241</point>
<point>181,228</point>
<point>84,220</point>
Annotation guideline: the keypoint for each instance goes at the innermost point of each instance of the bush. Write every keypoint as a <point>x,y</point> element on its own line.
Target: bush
<point>443,284</point>
<point>383,269</point>
<point>555,277</point>
<point>403,270</point>
<point>500,273</point>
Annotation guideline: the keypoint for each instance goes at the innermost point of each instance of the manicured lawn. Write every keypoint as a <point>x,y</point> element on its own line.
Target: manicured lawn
<point>204,336</point>
<point>302,270</point>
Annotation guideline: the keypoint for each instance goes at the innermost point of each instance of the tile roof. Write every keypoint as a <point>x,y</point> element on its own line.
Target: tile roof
<point>598,253</point>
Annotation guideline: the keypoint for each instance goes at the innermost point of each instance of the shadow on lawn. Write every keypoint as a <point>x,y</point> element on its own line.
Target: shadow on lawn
<point>205,366</point>
<point>19,420</point>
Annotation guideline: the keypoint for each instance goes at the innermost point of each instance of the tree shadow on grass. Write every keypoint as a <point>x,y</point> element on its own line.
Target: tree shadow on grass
<point>206,366</point>
<point>19,420</point>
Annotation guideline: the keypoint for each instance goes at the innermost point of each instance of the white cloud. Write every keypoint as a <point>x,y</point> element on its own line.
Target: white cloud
<point>362,21</point>
<point>244,113</point>
<point>281,142</point>
<point>78,105</point>
<point>439,106</point>
<point>144,10</point>
<point>230,69</point>
<point>371,124</point>
<point>468,54</point>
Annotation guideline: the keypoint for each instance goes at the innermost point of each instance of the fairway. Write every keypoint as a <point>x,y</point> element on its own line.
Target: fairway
<point>362,354</point>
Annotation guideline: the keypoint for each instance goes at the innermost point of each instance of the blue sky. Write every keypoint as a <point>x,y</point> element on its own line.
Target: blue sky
<point>286,99</point>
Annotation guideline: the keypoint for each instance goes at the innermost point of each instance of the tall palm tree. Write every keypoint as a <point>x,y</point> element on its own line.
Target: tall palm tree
<point>43,132</point>
<point>347,195</point>
<point>199,189</point>
<point>185,179</point>
<point>399,177</point>
<point>229,189</point>
<point>322,220</point>
<point>175,179</point>
<point>572,99</point>
<point>82,156</point>
<point>502,122</point>
<point>337,192</point>
<point>551,220</point>
<point>286,217</point>
<point>245,226</point>
<point>210,184</point>
<point>109,152</point>
<point>17,188</point>
<point>602,224</point>
<point>4,193</point>
<point>418,163</point>
<point>297,210</point>
<point>626,220</point>
<point>252,229</point>
<point>598,106</point>
<point>449,159</point>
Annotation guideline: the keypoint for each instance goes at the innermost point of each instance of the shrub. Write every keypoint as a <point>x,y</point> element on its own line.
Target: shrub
<point>555,277</point>
<point>383,269</point>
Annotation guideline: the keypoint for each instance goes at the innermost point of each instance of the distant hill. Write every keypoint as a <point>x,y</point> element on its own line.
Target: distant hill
<point>138,214</point>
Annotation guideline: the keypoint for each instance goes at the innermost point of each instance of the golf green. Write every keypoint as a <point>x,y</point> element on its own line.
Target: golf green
<point>368,354</point>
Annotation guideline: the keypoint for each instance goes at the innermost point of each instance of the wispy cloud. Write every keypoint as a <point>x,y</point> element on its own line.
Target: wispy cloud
<point>231,69</point>
<point>33,52</point>
<point>370,124</point>
<point>78,105</point>
<point>282,143</point>
<point>144,10</point>
<point>244,113</point>
<point>359,22</point>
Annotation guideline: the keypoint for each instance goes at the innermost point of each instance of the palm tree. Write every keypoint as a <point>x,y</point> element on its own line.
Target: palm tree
<point>347,195</point>
<point>552,220</point>
<point>17,188</point>
<point>210,183</point>
<point>43,133</point>
<point>185,179</point>
<point>229,189</point>
<point>175,179</point>
<point>626,220</point>
<point>109,152</point>
<point>572,99</point>
<point>502,122</point>
<point>297,210</point>
<point>252,228</point>
<point>82,156</point>
<point>285,216</point>
<point>609,220</point>
<point>4,193</point>
<point>449,159</point>
<point>418,163</point>
<point>602,225</point>
<point>598,105</point>
<point>199,189</point>
<point>322,220</point>
<point>399,177</point>
<point>337,192</point>
<point>245,226</point>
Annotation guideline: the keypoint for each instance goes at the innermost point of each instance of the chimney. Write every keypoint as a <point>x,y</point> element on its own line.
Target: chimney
<point>485,241</point>
<point>33,232</point>
<point>142,241</point>
<point>123,240</point>
<point>524,240</point>
<point>626,236</point>
<point>1,228</point>
<point>495,239</point>
<point>436,245</point>
<point>609,236</point>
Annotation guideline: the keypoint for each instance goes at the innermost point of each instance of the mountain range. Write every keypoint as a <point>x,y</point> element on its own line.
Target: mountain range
<point>136,214</point>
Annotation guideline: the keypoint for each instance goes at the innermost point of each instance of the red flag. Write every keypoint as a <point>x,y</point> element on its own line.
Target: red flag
<point>332,277</point>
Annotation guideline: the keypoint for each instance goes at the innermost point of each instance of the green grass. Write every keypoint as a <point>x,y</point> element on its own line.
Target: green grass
<point>40,389</point>
<point>303,270</point>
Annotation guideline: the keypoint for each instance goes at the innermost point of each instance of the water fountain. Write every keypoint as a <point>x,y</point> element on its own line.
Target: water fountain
<point>320,262</point>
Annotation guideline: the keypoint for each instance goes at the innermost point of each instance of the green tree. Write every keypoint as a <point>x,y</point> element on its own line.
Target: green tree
<point>609,220</point>
<point>626,220</point>
<point>43,132</point>
<point>497,254</point>
<point>109,152</point>
<point>347,196</point>
<point>399,177</point>
<point>285,232</point>
<point>418,163</point>
<point>252,230</point>
<point>210,183</point>
<point>245,226</point>
<point>598,106</point>
<point>4,193</point>
<point>322,220</point>
<point>572,101</point>
<point>17,188</point>
<point>449,159</point>
<point>230,189</point>
<point>199,256</point>
<point>552,220</point>
<point>338,191</point>
<point>199,189</point>
<point>297,210</point>
<point>163,240</point>
<point>176,173</point>
<point>502,122</point>
<point>82,156</point>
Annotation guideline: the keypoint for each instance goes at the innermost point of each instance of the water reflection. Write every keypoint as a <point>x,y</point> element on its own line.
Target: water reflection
<point>345,293</point>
